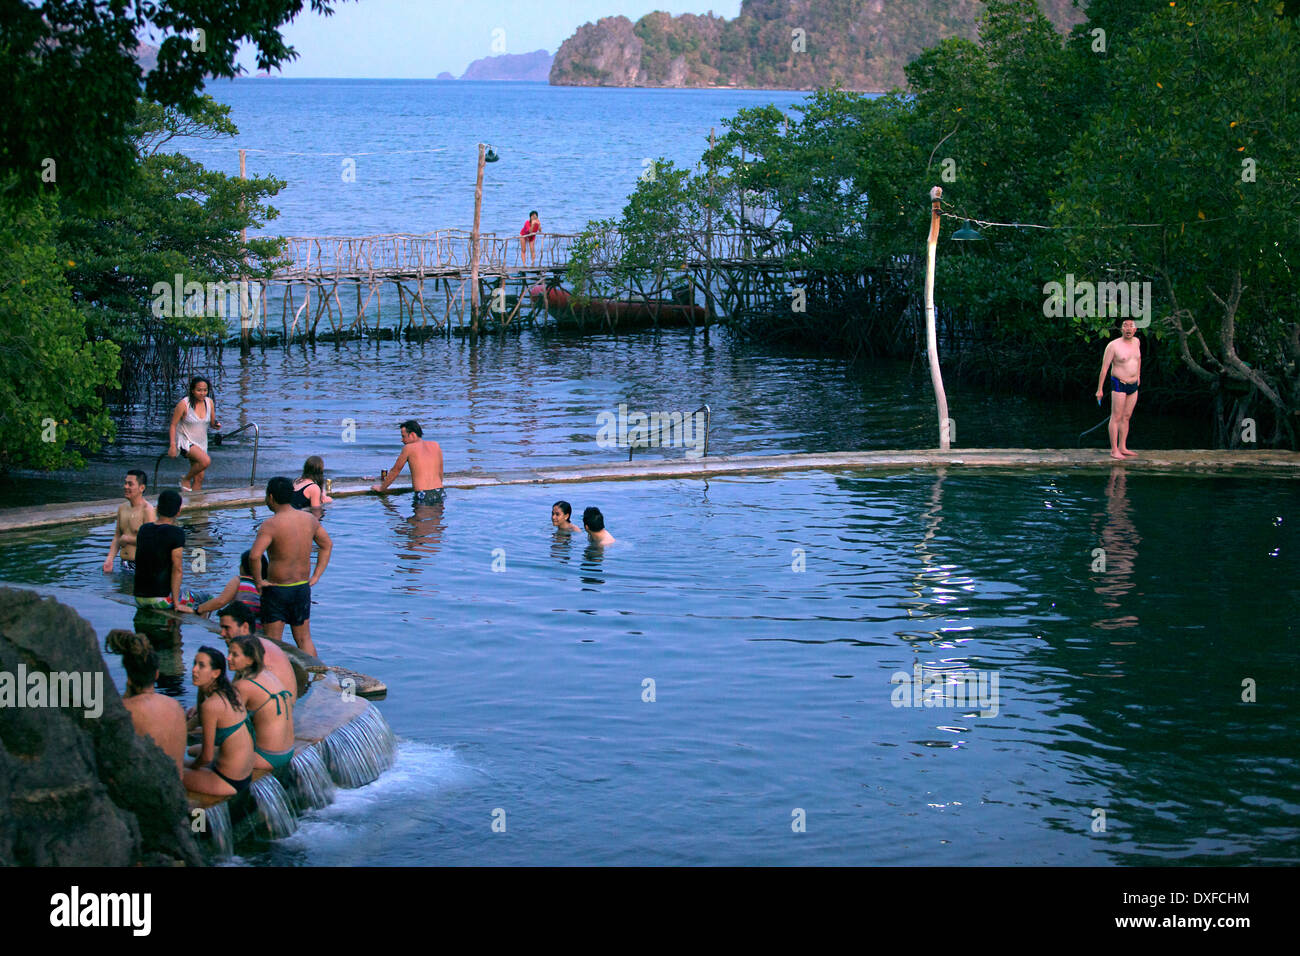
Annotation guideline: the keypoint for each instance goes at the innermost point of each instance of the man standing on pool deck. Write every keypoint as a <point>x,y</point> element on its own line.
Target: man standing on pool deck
<point>286,539</point>
<point>130,516</point>
<point>1123,357</point>
<point>425,458</point>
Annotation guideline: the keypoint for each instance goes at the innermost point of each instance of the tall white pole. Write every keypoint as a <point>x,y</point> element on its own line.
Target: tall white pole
<point>474,244</point>
<point>931,336</point>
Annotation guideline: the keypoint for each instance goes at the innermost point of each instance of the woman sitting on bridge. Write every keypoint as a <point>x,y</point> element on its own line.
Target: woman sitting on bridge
<point>268,703</point>
<point>224,763</point>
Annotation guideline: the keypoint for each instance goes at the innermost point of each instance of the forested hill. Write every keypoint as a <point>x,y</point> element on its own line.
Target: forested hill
<point>862,44</point>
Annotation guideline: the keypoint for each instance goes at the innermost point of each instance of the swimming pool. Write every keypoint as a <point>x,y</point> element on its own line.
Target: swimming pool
<point>771,613</point>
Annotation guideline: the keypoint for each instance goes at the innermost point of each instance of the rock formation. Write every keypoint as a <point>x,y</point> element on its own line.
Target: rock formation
<point>78,790</point>
<point>774,44</point>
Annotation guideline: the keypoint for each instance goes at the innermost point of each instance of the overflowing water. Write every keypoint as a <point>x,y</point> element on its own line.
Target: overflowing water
<point>273,807</point>
<point>216,820</point>
<point>312,788</point>
<point>359,751</point>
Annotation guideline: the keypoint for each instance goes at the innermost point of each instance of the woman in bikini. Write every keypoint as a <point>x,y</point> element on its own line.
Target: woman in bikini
<point>268,703</point>
<point>309,489</point>
<point>188,433</point>
<point>238,588</point>
<point>224,763</point>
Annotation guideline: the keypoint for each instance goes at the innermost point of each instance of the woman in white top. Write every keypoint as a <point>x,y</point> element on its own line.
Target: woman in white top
<point>189,431</point>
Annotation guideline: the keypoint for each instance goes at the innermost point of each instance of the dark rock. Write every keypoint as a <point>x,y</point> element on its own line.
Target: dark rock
<point>78,790</point>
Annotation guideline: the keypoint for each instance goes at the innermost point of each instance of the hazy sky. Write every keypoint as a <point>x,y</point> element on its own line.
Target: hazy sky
<point>421,38</point>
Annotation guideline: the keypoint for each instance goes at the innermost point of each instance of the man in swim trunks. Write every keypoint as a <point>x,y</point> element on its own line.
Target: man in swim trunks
<point>425,459</point>
<point>286,538</point>
<point>593,522</point>
<point>131,514</point>
<point>1123,359</point>
<point>159,556</point>
<point>237,620</point>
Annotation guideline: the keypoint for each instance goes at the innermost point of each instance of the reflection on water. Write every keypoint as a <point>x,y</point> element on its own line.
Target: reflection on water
<point>1113,568</point>
<point>774,686</point>
<point>164,634</point>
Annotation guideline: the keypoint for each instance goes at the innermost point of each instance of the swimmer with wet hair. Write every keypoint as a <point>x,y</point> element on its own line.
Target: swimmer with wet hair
<point>593,522</point>
<point>561,517</point>
<point>153,715</point>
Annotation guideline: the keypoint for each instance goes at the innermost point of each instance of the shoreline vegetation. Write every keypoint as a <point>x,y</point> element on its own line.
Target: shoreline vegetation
<point>1086,157</point>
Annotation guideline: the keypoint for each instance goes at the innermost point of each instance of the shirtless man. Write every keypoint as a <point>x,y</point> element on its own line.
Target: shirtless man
<point>153,715</point>
<point>237,620</point>
<point>286,539</point>
<point>1123,358</point>
<point>593,522</point>
<point>131,514</point>
<point>425,459</point>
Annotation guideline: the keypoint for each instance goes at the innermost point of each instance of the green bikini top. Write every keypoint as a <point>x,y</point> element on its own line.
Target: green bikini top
<point>223,733</point>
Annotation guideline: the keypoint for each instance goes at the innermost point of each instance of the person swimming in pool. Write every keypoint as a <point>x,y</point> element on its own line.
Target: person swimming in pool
<point>309,488</point>
<point>425,459</point>
<point>241,587</point>
<point>267,701</point>
<point>593,522</point>
<point>223,764</point>
<point>237,620</point>
<point>153,715</point>
<point>561,517</point>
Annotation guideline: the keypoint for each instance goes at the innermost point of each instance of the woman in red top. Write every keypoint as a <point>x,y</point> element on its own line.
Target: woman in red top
<point>531,228</point>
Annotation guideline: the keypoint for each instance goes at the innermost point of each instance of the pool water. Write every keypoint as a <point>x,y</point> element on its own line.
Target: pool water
<point>716,688</point>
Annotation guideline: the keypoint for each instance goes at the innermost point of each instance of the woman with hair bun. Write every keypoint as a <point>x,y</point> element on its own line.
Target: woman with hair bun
<point>153,715</point>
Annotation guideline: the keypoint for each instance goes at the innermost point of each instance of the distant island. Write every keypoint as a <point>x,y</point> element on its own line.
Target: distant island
<point>774,44</point>
<point>525,67</point>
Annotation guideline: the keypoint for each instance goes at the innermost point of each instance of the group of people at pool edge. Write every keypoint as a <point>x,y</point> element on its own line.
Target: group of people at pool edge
<point>248,723</point>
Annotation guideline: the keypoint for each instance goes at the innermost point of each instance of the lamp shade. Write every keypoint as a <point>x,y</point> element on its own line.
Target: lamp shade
<point>966,233</point>
<point>490,156</point>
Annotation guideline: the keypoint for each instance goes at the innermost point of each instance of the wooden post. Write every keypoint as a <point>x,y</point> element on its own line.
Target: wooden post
<point>931,336</point>
<point>245,319</point>
<point>473,248</point>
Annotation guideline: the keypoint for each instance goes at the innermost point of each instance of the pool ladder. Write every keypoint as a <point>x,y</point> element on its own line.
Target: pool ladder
<point>708,423</point>
<point>217,439</point>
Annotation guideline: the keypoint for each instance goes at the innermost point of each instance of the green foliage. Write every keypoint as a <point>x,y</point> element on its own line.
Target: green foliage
<point>1202,138</point>
<point>50,375</point>
<point>69,81</point>
<point>172,217</point>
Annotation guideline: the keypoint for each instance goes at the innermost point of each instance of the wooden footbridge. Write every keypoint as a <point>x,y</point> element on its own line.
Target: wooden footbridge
<point>433,277</point>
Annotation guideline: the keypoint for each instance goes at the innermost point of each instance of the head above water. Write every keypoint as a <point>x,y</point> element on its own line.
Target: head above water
<point>169,503</point>
<point>236,619</point>
<point>195,394</point>
<point>411,427</point>
<point>566,510</point>
<point>280,490</point>
<point>593,520</point>
<point>314,468</point>
<point>246,565</point>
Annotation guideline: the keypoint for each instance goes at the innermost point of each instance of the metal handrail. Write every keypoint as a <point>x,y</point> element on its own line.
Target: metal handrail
<point>708,424</point>
<point>219,437</point>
